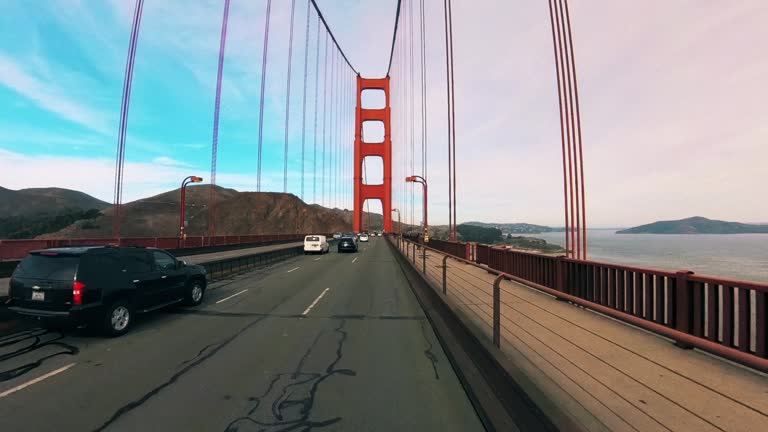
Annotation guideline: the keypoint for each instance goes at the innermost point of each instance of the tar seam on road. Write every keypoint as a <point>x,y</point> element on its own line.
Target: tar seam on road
<point>36,380</point>
<point>296,268</point>
<point>233,295</point>
<point>300,384</point>
<point>309,308</point>
<point>138,402</point>
<point>36,344</point>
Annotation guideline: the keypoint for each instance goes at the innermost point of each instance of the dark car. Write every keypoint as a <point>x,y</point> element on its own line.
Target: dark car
<point>102,285</point>
<point>347,244</point>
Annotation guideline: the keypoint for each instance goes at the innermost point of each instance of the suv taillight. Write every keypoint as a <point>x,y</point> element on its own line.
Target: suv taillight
<point>77,293</point>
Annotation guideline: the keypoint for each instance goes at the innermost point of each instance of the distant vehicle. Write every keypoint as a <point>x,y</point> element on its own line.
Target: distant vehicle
<point>364,237</point>
<point>337,235</point>
<point>353,236</point>
<point>316,243</point>
<point>347,244</point>
<point>378,234</point>
<point>102,285</point>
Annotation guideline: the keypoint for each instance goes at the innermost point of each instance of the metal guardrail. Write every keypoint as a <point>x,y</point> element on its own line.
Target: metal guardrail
<point>18,249</point>
<point>222,268</point>
<point>722,316</point>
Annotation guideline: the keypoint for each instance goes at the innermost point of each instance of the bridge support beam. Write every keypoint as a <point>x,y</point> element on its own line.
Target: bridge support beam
<point>382,192</point>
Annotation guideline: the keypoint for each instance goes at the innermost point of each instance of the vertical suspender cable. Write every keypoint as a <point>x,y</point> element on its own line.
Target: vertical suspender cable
<point>332,127</point>
<point>568,248</point>
<point>578,125</point>
<point>453,120</point>
<point>451,222</point>
<point>424,141</point>
<point>216,110</point>
<point>304,103</point>
<point>261,101</point>
<point>331,114</point>
<point>288,99</point>
<point>571,233</point>
<point>317,98</point>
<point>572,135</point>
<point>336,94</point>
<point>411,97</point>
<point>325,109</point>
<point>124,108</point>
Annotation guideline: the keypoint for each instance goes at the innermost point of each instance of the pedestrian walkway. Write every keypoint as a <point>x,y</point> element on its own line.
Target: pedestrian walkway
<point>603,373</point>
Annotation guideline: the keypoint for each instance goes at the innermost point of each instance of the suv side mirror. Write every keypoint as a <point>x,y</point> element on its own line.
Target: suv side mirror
<point>180,264</point>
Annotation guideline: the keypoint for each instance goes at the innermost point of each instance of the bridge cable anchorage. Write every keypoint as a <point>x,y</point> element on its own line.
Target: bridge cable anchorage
<point>325,109</point>
<point>288,98</point>
<point>216,112</point>
<point>578,125</point>
<point>261,101</point>
<point>330,33</point>
<point>304,102</point>
<point>317,89</point>
<point>123,126</point>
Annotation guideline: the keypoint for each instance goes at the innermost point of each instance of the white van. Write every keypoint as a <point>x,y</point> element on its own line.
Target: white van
<point>316,243</point>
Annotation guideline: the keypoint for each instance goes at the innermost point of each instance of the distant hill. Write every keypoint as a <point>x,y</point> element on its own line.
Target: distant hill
<point>515,228</point>
<point>28,213</point>
<point>480,234</point>
<point>35,201</point>
<point>696,225</point>
<point>238,213</point>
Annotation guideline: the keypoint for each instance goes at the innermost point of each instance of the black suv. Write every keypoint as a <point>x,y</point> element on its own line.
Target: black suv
<point>102,285</point>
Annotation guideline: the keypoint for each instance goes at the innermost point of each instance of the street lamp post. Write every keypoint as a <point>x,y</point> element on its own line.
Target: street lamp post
<point>183,203</point>
<point>423,181</point>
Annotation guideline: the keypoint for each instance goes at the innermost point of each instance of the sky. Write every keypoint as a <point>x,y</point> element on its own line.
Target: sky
<point>672,103</point>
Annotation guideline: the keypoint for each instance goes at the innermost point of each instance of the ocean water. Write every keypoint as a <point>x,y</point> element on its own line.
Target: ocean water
<point>735,256</point>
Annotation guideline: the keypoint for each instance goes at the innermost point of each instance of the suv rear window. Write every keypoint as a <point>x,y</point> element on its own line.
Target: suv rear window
<point>312,238</point>
<point>57,267</point>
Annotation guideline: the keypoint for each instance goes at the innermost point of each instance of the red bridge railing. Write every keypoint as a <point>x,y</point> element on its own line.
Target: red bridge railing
<point>457,249</point>
<point>724,316</point>
<point>17,249</point>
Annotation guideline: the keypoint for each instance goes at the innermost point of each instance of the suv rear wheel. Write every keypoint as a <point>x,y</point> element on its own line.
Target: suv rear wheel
<point>195,293</point>
<point>118,318</point>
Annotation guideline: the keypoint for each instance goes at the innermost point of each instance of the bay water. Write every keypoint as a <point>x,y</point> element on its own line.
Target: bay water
<point>734,256</point>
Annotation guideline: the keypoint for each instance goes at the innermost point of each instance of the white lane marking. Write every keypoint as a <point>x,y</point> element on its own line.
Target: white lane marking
<point>353,261</point>
<point>36,380</point>
<point>293,269</point>
<point>306,311</point>
<point>317,259</point>
<point>233,295</point>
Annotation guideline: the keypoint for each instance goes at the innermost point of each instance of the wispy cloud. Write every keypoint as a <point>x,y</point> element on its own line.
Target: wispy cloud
<point>48,96</point>
<point>165,160</point>
<point>88,174</point>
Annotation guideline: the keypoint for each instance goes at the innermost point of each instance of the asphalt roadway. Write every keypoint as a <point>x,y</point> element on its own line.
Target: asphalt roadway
<point>333,342</point>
